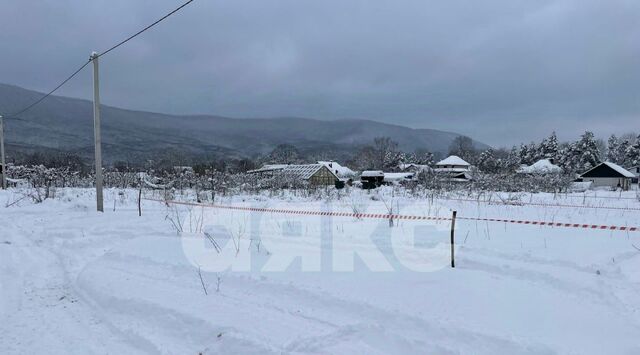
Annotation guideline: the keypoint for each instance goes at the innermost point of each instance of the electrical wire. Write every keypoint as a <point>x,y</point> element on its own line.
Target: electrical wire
<point>13,116</point>
<point>144,29</point>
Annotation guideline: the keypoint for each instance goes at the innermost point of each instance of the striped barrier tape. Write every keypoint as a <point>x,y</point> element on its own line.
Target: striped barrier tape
<point>309,213</point>
<point>554,224</point>
<point>518,203</point>
<point>599,197</point>
<point>405,217</point>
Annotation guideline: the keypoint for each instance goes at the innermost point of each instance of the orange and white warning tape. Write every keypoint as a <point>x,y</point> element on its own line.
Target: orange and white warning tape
<point>540,204</point>
<point>405,217</point>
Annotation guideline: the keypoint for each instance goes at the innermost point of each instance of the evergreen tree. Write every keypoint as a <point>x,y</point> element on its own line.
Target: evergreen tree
<point>528,154</point>
<point>523,152</point>
<point>613,149</point>
<point>512,161</point>
<point>487,161</point>
<point>568,157</point>
<point>587,152</point>
<point>633,153</point>
<point>622,152</point>
<point>548,149</point>
<point>535,153</point>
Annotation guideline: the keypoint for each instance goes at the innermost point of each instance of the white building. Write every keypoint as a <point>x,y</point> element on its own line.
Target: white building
<point>455,169</point>
<point>452,164</point>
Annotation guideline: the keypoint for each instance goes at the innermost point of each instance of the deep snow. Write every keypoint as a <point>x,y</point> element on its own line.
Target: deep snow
<point>76,281</point>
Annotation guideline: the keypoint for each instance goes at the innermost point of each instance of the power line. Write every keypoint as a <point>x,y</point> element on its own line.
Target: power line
<point>51,92</point>
<point>144,29</point>
<point>13,116</point>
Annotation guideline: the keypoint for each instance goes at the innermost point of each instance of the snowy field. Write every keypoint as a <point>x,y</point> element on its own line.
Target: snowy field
<point>76,281</point>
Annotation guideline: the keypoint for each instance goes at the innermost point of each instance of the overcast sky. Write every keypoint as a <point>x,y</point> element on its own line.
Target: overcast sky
<point>500,71</point>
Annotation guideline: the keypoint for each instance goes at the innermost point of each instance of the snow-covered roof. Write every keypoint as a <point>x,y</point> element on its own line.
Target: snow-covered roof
<point>418,167</point>
<point>453,160</point>
<point>398,176</point>
<point>274,166</point>
<point>341,171</point>
<point>370,173</point>
<point>635,170</point>
<point>304,171</point>
<point>542,166</point>
<point>300,171</point>
<point>624,172</point>
<point>267,168</point>
<point>617,168</point>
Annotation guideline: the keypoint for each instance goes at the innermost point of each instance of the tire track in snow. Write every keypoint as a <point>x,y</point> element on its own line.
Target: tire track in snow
<point>307,317</point>
<point>48,317</point>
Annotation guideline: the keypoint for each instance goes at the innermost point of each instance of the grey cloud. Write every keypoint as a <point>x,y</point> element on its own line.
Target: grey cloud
<point>500,71</point>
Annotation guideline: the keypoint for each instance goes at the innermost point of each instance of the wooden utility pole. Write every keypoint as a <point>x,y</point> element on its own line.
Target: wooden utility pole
<point>96,132</point>
<point>2,160</point>
<point>453,242</point>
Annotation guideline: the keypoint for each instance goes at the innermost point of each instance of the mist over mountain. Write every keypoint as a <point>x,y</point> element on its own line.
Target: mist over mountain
<point>66,125</point>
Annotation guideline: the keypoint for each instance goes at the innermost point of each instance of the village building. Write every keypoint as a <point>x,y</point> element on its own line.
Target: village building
<point>342,172</point>
<point>371,179</point>
<point>268,169</point>
<point>313,174</point>
<point>608,174</point>
<point>454,168</point>
<point>452,163</point>
<point>413,168</point>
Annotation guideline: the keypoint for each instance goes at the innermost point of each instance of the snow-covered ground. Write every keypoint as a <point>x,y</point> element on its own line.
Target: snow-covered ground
<point>76,281</point>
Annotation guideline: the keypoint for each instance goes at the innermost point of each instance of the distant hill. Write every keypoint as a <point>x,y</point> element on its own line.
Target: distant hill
<point>66,124</point>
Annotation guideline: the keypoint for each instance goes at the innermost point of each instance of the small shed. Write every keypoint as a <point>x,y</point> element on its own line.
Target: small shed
<point>371,178</point>
<point>608,174</point>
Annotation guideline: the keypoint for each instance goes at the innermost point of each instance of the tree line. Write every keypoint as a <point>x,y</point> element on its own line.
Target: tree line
<point>381,154</point>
